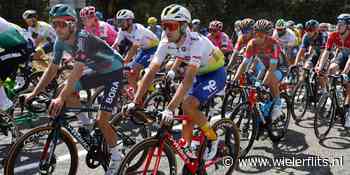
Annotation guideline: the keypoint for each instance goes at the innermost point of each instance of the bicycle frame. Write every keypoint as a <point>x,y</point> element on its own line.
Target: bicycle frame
<point>192,165</point>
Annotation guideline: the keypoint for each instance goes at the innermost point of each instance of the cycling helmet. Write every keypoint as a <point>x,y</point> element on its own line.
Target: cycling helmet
<point>61,10</point>
<point>125,14</point>
<point>29,14</point>
<point>176,13</point>
<point>99,15</point>
<point>280,24</point>
<point>344,17</point>
<point>290,23</point>
<point>88,12</point>
<point>311,25</point>
<point>196,21</point>
<point>263,25</point>
<point>247,24</point>
<point>300,26</point>
<point>237,23</point>
<point>152,20</point>
<point>215,25</point>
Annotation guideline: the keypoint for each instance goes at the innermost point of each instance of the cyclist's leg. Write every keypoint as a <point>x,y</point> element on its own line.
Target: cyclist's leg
<point>204,88</point>
<point>273,79</point>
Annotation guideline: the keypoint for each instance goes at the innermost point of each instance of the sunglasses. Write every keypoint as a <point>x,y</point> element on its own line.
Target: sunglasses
<point>280,30</point>
<point>260,34</point>
<point>310,30</point>
<point>171,26</point>
<point>60,24</point>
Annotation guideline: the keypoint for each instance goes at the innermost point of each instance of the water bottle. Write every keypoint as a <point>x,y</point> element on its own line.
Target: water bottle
<point>195,142</point>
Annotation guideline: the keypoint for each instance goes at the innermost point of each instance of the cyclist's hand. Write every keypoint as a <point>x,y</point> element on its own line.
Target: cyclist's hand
<point>171,75</point>
<point>128,107</point>
<point>55,107</point>
<point>167,117</point>
<point>28,97</point>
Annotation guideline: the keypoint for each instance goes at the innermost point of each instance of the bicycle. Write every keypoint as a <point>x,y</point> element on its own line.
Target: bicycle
<point>164,146</point>
<point>305,95</point>
<point>48,143</point>
<point>329,107</point>
<point>253,115</point>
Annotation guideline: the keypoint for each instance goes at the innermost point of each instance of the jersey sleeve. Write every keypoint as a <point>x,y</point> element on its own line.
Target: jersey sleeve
<point>249,52</point>
<point>160,54</point>
<point>305,44</point>
<point>330,41</point>
<point>57,52</point>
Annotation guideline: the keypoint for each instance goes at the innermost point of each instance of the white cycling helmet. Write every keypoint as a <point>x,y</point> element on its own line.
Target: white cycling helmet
<point>196,21</point>
<point>176,13</point>
<point>125,14</point>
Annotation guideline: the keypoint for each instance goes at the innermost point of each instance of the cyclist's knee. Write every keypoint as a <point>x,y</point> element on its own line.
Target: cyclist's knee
<point>190,103</point>
<point>333,68</point>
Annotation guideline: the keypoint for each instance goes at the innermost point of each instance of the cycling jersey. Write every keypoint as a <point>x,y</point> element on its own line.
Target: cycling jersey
<point>242,41</point>
<point>9,35</point>
<point>91,51</point>
<point>140,35</point>
<point>105,31</point>
<point>44,30</point>
<point>317,42</point>
<point>335,39</point>
<point>287,39</point>
<point>221,40</point>
<point>269,49</point>
<point>196,50</point>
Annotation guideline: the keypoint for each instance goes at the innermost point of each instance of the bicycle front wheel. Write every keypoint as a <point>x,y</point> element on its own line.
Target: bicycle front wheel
<point>44,150</point>
<point>158,160</point>
<point>324,116</point>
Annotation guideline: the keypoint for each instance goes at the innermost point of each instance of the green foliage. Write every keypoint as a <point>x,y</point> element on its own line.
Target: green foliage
<point>225,10</point>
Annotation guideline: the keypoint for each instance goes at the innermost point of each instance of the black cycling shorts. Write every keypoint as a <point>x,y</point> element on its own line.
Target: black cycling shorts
<point>112,83</point>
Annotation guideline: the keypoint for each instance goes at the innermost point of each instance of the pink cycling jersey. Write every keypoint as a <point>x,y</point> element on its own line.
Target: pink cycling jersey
<point>105,31</point>
<point>222,41</point>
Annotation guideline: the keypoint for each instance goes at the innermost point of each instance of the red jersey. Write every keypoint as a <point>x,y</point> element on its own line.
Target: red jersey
<point>269,49</point>
<point>335,39</point>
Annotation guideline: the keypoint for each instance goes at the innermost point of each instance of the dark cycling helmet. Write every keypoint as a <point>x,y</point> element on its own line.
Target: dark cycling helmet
<point>312,24</point>
<point>263,25</point>
<point>60,10</point>
<point>247,24</point>
<point>29,14</point>
<point>344,17</point>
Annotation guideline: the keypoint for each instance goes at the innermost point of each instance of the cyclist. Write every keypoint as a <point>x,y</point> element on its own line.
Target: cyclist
<point>152,26</point>
<point>324,27</point>
<point>236,30</point>
<point>267,50</point>
<point>93,52</point>
<point>312,45</point>
<point>287,40</point>
<point>246,28</point>
<point>219,38</point>
<point>14,50</point>
<point>42,34</point>
<point>95,26</point>
<point>204,75</point>
<point>196,27</point>
<point>341,40</point>
<point>144,44</point>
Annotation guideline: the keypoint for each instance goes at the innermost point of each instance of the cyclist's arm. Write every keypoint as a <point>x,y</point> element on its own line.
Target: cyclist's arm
<point>347,67</point>
<point>324,58</point>
<point>132,52</point>
<point>300,55</point>
<point>49,74</point>
<point>176,64</point>
<point>74,76</point>
<point>184,87</point>
<point>146,82</point>
<point>232,60</point>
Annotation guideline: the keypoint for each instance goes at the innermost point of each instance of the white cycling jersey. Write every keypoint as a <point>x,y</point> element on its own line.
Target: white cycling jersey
<point>288,39</point>
<point>140,35</point>
<point>196,50</point>
<point>44,30</point>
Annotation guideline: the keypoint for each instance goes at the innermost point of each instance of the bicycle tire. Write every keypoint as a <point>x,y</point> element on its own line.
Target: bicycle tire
<point>252,121</point>
<point>330,114</point>
<point>145,146</point>
<point>300,85</point>
<point>66,138</point>
<point>227,103</point>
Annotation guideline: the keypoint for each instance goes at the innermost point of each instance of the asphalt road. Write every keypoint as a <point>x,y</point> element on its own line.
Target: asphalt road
<point>300,152</point>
